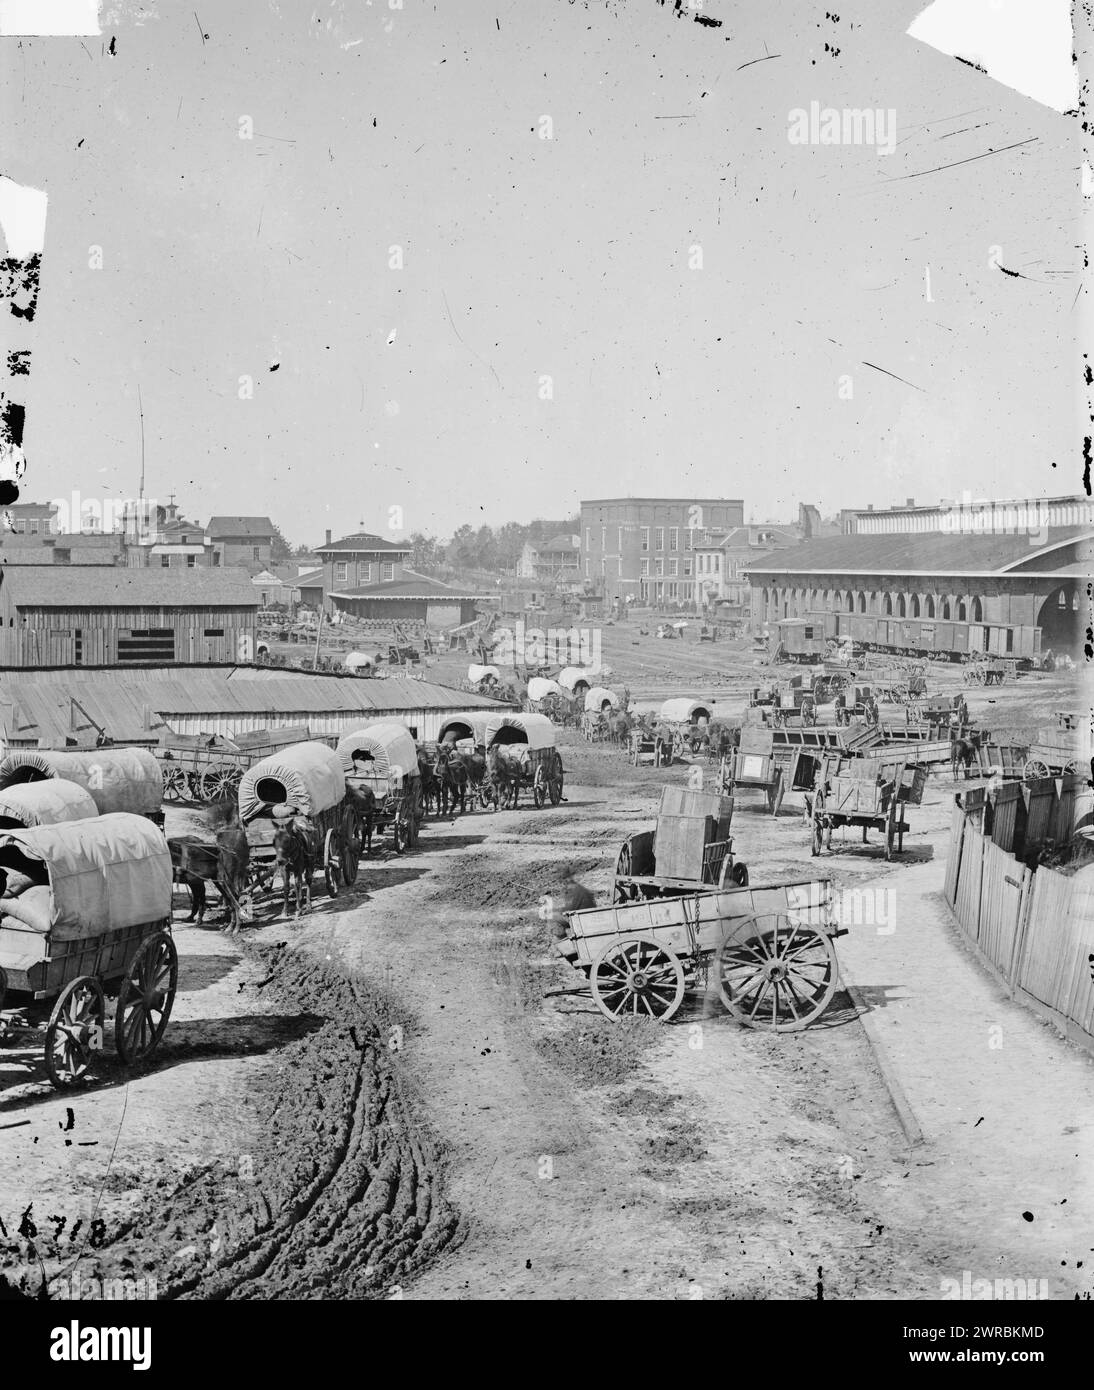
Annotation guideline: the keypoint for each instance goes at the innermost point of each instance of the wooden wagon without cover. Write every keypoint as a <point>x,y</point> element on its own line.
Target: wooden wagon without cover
<point>116,779</point>
<point>1058,751</point>
<point>383,759</point>
<point>866,793</point>
<point>768,951</point>
<point>754,766</point>
<point>86,916</point>
<point>210,767</point>
<point>305,780</point>
<point>689,848</point>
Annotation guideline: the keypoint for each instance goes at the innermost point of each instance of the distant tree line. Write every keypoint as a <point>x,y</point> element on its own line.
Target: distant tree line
<point>493,548</point>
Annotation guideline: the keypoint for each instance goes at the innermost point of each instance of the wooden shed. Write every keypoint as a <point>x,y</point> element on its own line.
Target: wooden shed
<point>96,615</point>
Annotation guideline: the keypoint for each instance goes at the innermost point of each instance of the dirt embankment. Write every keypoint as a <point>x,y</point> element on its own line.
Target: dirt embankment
<point>343,1198</point>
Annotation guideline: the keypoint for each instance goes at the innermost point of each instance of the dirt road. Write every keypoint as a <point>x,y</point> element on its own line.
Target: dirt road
<point>378,1101</point>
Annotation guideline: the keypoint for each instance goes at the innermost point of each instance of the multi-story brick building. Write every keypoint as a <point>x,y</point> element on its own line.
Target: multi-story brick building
<point>246,541</point>
<point>641,549</point>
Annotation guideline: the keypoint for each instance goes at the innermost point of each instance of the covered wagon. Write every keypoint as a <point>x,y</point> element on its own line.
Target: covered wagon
<point>27,804</point>
<point>117,779</point>
<point>305,781</point>
<point>688,721</point>
<point>521,753</point>
<point>382,761</point>
<point>86,915</point>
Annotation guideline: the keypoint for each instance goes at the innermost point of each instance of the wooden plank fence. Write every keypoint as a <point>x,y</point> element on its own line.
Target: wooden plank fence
<point>1034,925</point>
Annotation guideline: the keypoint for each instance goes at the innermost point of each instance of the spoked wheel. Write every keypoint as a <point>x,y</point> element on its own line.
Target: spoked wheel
<point>220,783</point>
<point>1034,768</point>
<point>1070,767</point>
<point>145,999</point>
<point>775,973</point>
<point>739,875</point>
<point>554,783</point>
<point>352,840</point>
<point>174,782</point>
<point>75,1031</point>
<point>900,694</point>
<point>637,978</point>
<point>332,869</point>
<point>539,788</point>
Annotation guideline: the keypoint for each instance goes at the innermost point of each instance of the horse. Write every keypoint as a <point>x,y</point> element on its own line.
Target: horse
<point>507,771</point>
<point>232,855</point>
<point>620,724</point>
<point>474,764</point>
<point>297,848</point>
<point>363,800</point>
<point>962,753</point>
<point>427,776</point>
<point>452,776</point>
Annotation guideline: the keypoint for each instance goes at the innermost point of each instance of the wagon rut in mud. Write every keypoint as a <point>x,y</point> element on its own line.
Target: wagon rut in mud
<point>342,1196</point>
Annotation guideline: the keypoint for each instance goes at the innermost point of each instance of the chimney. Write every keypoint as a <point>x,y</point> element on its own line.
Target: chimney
<point>910,502</point>
<point>327,541</point>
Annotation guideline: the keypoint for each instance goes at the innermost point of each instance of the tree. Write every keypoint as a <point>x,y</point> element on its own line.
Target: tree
<point>280,551</point>
<point>462,548</point>
<point>426,554</point>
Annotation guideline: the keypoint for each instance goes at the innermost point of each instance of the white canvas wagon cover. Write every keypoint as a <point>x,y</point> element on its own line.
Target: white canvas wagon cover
<point>539,687</point>
<point>118,779</point>
<point>682,711</point>
<point>45,803</point>
<point>479,673</point>
<point>104,874</point>
<point>570,676</point>
<point>388,749</point>
<point>600,695</point>
<point>471,725</point>
<point>307,776</point>
<point>535,730</point>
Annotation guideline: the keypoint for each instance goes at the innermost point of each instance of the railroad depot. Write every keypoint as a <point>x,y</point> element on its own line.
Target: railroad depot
<point>937,593</point>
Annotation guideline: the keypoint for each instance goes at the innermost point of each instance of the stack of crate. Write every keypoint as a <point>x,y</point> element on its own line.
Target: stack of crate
<point>687,822</point>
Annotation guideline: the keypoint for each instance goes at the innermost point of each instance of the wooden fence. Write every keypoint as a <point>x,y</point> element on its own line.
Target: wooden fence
<point>1033,924</point>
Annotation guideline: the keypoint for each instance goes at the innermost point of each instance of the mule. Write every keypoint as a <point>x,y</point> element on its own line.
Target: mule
<point>297,849</point>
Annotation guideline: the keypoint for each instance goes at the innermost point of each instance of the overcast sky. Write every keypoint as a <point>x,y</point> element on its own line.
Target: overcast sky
<point>527,257</point>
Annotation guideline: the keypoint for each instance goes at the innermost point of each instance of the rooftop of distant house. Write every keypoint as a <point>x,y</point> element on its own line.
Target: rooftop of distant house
<point>250,527</point>
<point>105,586</point>
<point>362,543</point>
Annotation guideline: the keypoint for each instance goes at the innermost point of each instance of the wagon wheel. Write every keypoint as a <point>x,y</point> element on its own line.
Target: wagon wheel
<point>220,783</point>
<point>733,875</point>
<point>776,973</point>
<point>554,784</point>
<point>900,693</point>
<point>352,840</point>
<point>1034,768</point>
<point>332,869</point>
<point>637,976</point>
<point>174,781</point>
<point>145,999</point>
<point>75,1031</point>
<point>1070,766</point>
<point>539,787</point>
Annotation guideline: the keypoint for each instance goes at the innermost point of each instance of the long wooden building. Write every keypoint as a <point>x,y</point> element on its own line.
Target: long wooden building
<point>97,615</point>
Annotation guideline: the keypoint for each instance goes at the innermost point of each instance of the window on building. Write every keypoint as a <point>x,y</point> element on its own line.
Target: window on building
<point>191,561</point>
<point>945,610</point>
<point>659,538</point>
<point>387,570</point>
<point>165,562</point>
<point>78,646</point>
<point>718,563</point>
<point>659,566</point>
<point>671,590</point>
<point>674,538</point>
<point>645,533</point>
<point>1010,639</point>
<point>34,526</point>
<point>216,557</point>
<point>20,527</point>
<point>62,556</point>
<point>977,611</point>
<point>861,602</point>
<point>256,553</point>
<point>146,645</point>
<point>689,539</point>
<point>929,606</point>
<point>341,571</point>
<point>915,606</point>
<point>687,567</point>
<point>962,611</point>
<point>888,605</point>
<point>214,632</point>
<point>364,571</point>
<point>674,566</point>
<point>643,568</point>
